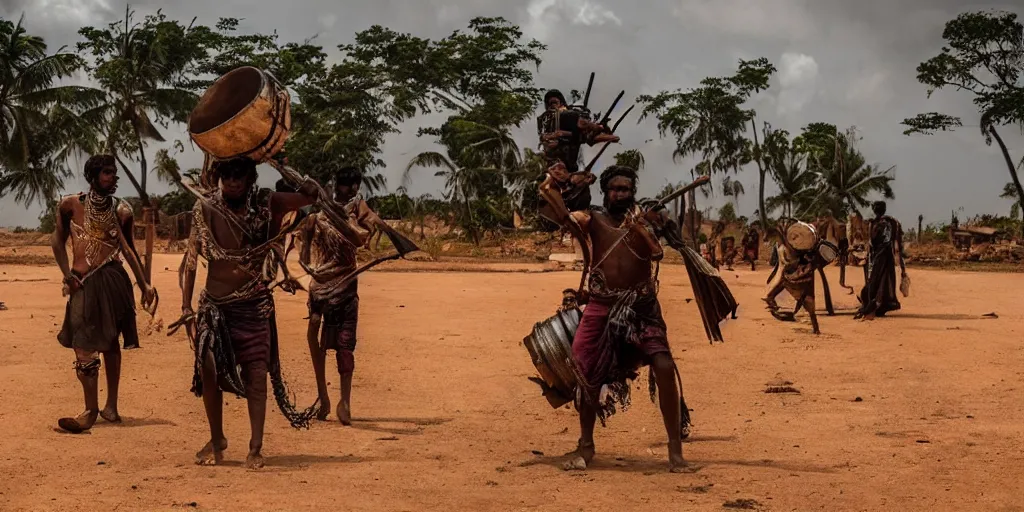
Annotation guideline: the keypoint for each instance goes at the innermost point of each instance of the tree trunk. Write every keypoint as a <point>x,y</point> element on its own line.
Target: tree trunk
<point>761,172</point>
<point>1009,165</point>
<point>149,216</point>
<point>148,211</point>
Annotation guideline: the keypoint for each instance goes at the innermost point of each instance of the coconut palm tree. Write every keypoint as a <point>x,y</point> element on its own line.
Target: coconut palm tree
<point>848,186</point>
<point>461,184</point>
<point>140,67</point>
<point>734,189</point>
<point>480,162</point>
<point>39,123</point>
<point>795,182</point>
<point>143,68</point>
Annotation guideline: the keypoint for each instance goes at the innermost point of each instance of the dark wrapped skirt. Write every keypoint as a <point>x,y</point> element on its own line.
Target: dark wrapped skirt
<point>879,293</point>
<point>243,333</point>
<point>339,317</point>
<point>100,312</point>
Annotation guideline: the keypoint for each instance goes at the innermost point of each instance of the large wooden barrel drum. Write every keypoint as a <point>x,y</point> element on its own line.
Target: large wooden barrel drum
<point>802,236</point>
<point>550,347</point>
<point>245,113</point>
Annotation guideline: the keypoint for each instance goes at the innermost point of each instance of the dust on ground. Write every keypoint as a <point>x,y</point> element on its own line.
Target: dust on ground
<point>919,411</point>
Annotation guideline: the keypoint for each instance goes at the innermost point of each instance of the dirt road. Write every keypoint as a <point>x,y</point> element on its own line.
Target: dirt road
<point>920,411</point>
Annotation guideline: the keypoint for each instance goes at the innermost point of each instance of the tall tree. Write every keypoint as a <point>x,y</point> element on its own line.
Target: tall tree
<point>144,68</point>
<point>789,168</point>
<point>481,78</point>
<point>984,55</point>
<point>39,123</point>
<point>711,120</point>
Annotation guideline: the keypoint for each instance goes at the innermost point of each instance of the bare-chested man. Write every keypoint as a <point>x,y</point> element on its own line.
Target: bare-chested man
<point>236,229</point>
<point>101,303</point>
<point>329,255</point>
<point>622,326</point>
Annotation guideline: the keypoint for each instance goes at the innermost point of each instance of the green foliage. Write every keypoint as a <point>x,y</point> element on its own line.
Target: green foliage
<point>732,188</point>
<point>984,55</point>
<point>48,217</point>
<point>1010,192</point>
<point>40,126</point>
<point>176,202</point>
<point>727,213</point>
<point>710,121</point>
<point>819,143</point>
<point>787,164</point>
<point>146,69</point>
<point>480,77</point>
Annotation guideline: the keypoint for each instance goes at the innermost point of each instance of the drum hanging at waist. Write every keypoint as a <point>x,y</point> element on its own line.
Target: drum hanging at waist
<point>550,348</point>
<point>828,251</point>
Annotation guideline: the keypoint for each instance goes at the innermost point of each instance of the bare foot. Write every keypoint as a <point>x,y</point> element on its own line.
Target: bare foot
<point>212,453</point>
<point>79,424</point>
<point>344,414</point>
<point>580,458</point>
<point>675,457</point>
<point>110,414</point>
<point>254,461</point>
<point>325,409</point>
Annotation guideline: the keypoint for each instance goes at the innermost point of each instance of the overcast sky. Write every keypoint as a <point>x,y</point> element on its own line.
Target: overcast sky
<point>840,61</point>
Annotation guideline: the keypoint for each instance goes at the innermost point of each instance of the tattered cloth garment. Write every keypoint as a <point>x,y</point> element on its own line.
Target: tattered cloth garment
<point>239,330</point>
<point>100,311</point>
<point>339,310</point>
<point>620,331</point>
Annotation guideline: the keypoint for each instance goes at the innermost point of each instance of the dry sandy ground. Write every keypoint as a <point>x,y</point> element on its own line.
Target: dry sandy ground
<point>447,420</point>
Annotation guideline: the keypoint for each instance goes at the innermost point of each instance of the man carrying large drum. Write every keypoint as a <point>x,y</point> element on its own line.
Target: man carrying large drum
<point>236,227</point>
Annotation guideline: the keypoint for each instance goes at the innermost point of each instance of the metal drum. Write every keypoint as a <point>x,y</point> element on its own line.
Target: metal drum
<point>550,347</point>
<point>828,251</point>
<point>802,236</point>
<point>245,113</point>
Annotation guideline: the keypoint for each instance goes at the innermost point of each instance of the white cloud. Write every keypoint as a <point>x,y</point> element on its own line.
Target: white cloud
<point>798,76</point>
<point>68,12</point>
<point>545,15</point>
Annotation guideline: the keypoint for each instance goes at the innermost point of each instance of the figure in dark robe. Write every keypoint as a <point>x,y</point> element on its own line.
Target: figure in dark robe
<point>885,251</point>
